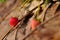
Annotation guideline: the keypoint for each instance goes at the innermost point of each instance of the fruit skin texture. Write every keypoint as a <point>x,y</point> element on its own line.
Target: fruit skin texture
<point>34,24</point>
<point>13,21</point>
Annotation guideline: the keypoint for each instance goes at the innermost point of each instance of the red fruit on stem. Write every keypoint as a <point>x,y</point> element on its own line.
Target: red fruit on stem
<point>34,24</point>
<point>13,21</point>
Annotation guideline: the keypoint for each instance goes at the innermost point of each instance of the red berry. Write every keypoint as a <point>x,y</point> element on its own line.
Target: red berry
<point>34,24</point>
<point>13,21</point>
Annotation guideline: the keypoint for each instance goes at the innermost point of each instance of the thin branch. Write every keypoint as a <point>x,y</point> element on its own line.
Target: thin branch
<point>8,12</point>
<point>21,6</point>
<point>40,26</point>
<point>12,29</point>
<point>19,22</point>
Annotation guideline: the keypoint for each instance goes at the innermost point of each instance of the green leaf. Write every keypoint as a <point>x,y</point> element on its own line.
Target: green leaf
<point>2,0</point>
<point>23,0</point>
<point>46,2</point>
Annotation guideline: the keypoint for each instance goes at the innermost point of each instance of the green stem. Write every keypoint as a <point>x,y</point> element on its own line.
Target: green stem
<point>26,2</point>
<point>45,3</point>
<point>37,13</point>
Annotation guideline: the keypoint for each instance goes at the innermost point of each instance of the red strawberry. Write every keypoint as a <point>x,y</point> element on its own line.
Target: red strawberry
<point>34,24</point>
<point>13,21</point>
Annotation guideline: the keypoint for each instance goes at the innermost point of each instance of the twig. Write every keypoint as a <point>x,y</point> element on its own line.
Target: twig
<point>18,29</point>
<point>6,14</point>
<point>43,13</point>
<point>40,26</point>
<point>21,6</point>
<point>12,29</point>
<point>16,34</point>
<point>19,22</point>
